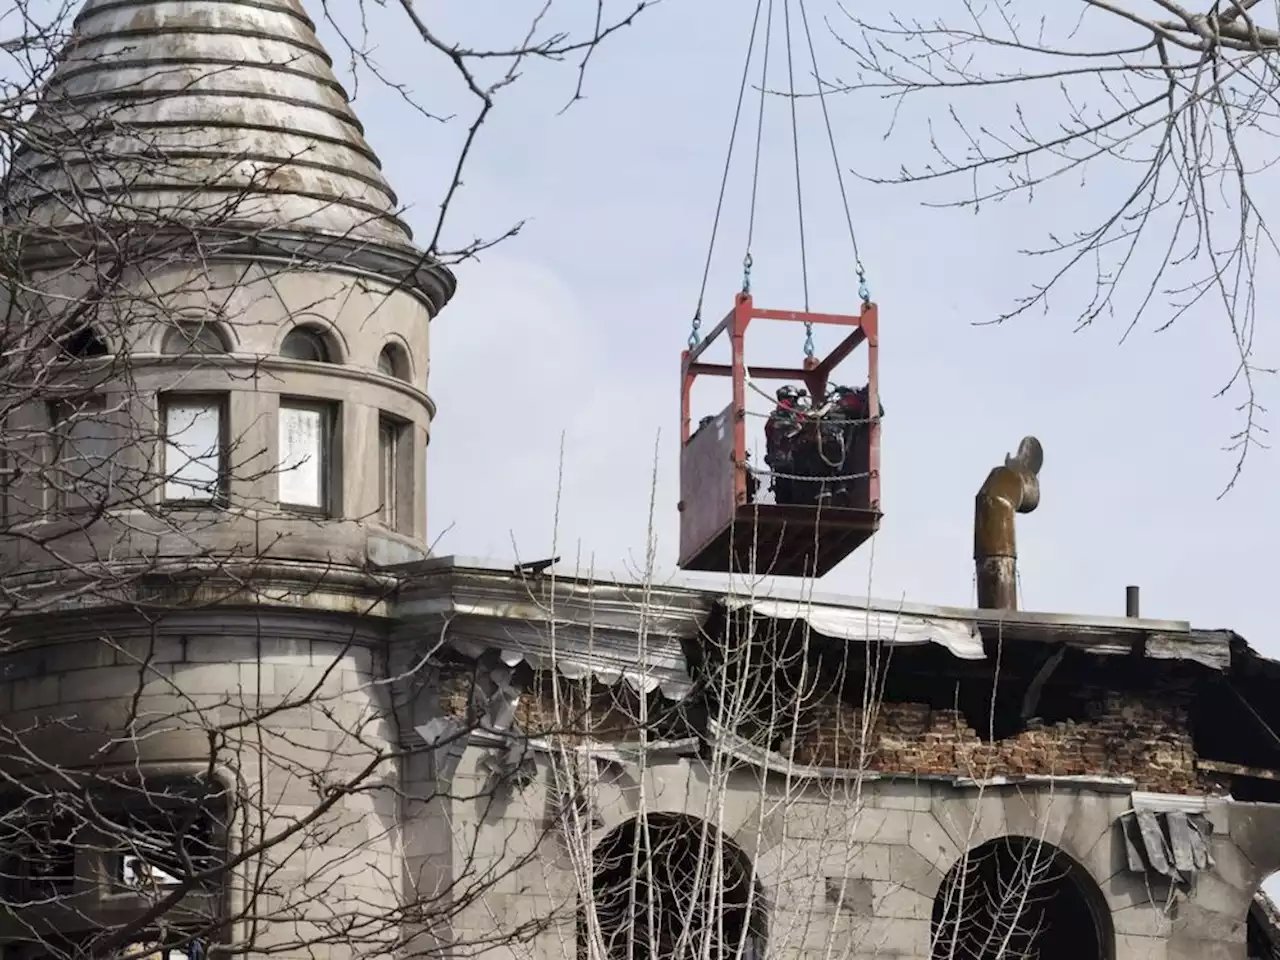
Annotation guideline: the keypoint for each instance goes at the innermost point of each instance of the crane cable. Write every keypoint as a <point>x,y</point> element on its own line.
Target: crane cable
<point>755,170</point>
<point>694,336</point>
<point>795,151</point>
<point>863,290</point>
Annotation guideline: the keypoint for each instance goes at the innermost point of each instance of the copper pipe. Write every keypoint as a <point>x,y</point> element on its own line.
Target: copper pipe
<point>1008,490</point>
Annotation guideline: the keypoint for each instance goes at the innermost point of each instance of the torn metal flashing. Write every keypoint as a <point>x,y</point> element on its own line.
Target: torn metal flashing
<point>658,667</point>
<point>871,626</point>
<point>1210,649</point>
<point>1168,835</point>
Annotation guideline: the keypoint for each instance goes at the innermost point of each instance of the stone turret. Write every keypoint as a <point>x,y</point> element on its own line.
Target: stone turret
<point>216,333</point>
<point>265,322</point>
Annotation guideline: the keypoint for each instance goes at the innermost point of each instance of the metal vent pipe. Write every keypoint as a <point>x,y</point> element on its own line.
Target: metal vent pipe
<point>1008,491</point>
<point>1131,608</point>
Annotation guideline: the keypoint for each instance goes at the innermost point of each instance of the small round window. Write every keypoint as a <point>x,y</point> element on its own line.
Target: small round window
<point>302,343</point>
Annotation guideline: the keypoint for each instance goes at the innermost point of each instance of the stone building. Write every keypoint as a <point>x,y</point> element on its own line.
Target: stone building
<point>242,709</point>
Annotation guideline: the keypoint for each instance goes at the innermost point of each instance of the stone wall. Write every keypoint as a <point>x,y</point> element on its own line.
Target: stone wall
<point>289,709</point>
<point>845,867</point>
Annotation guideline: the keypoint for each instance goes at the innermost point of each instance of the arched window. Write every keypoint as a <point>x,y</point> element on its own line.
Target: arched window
<point>671,887</point>
<point>82,343</point>
<point>1020,897</point>
<point>193,337</point>
<point>394,362</point>
<point>306,343</point>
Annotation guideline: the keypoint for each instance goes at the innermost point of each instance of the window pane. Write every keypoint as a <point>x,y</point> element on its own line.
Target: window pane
<point>82,451</point>
<point>387,362</point>
<point>302,344</point>
<point>302,456</point>
<point>193,448</point>
<point>388,462</point>
<point>138,873</point>
<point>193,338</point>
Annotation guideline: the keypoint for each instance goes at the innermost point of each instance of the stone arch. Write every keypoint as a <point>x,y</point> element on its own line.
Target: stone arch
<point>1019,896</point>
<point>668,886</point>
<point>1262,923</point>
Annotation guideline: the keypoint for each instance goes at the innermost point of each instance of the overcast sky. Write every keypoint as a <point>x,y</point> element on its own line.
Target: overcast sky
<point>576,327</point>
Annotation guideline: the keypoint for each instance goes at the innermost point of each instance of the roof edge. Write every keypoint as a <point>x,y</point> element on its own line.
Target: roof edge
<point>724,587</point>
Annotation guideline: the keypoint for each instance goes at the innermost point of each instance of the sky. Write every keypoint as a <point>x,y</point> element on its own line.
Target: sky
<point>568,336</point>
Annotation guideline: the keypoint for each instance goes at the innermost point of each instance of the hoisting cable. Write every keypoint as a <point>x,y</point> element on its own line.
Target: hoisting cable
<point>795,147</point>
<point>755,173</point>
<point>694,335</point>
<point>863,292</point>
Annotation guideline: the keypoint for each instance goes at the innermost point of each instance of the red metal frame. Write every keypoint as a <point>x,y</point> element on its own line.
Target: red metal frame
<point>815,374</point>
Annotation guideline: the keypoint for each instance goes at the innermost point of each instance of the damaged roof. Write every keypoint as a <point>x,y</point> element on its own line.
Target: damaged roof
<point>677,607</point>
<point>649,634</point>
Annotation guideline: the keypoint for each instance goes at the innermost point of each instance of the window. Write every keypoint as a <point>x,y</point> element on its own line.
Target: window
<point>192,337</point>
<point>164,848</point>
<point>81,343</point>
<point>1041,901</point>
<point>395,485</point>
<point>394,362</point>
<point>81,472</point>
<point>306,452</point>
<point>306,343</point>
<point>659,893</point>
<point>194,949</point>
<point>194,447</point>
<point>40,860</point>
<point>8,474</point>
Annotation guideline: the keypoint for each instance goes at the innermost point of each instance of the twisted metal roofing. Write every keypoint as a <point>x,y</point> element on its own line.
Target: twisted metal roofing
<point>223,112</point>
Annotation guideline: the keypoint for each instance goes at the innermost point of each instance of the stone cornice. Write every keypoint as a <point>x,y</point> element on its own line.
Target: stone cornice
<point>404,267</point>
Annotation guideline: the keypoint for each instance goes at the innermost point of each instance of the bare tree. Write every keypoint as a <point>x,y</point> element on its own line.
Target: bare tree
<point>1160,111</point>
<point>206,736</point>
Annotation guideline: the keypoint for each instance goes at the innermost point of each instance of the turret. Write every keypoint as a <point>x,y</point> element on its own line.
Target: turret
<point>214,418</point>
<point>224,319</point>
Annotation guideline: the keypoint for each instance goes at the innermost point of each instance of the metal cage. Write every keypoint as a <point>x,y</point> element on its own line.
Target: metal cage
<point>721,529</point>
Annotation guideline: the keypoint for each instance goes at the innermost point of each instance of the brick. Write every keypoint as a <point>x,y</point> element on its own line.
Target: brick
<point>1121,735</point>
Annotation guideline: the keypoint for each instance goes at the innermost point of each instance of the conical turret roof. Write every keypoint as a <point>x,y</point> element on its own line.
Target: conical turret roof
<point>222,112</point>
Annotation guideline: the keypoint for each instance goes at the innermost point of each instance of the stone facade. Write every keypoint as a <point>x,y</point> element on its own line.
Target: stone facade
<point>858,865</point>
<point>852,850</point>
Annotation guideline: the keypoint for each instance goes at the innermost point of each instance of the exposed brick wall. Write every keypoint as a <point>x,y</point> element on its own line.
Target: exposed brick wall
<point>1121,736</point>
<point>603,713</point>
<point>1143,737</point>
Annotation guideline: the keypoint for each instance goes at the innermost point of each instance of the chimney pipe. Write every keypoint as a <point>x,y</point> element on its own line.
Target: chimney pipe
<point>1009,490</point>
<point>1131,602</point>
